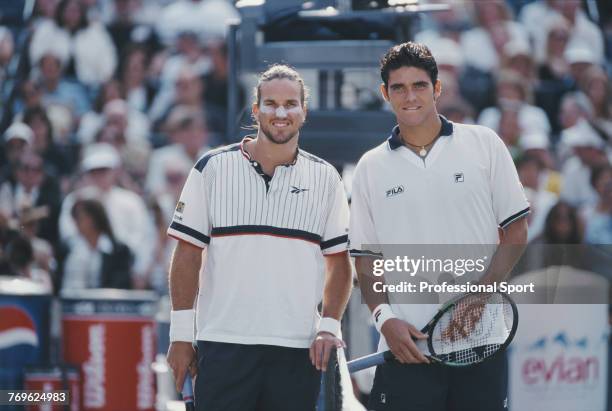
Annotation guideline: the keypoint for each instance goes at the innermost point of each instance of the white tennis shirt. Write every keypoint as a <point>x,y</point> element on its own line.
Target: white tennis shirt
<point>266,237</point>
<point>460,193</point>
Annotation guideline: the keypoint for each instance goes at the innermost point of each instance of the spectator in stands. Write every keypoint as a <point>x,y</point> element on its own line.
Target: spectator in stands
<point>206,18</point>
<point>597,88</point>
<point>537,145</point>
<point>553,65</point>
<point>126,26</point>
<point>494,29</point>
<point>90,54</point>
<point>562,225</point>
<point>531,17</point>
<point>92,121</point>
<point>7,47</point>
<point>96,259</point>
<point>127,212</point>
<point>509,128</point>
<point>584,33</point>
<point>133,76</point>
<point>17,138</point>
<point>33,188</point>
<point>530,171</point>
<point>180,79</point>
<point>189,137</point>
<point>29,94</point>
<point>554,72</point>
<point>601,178</point>
<point>513,91</point>
<point>58,160</point>
<point>517,57</point>
<point>589,152</point>
<point>20,257</point>
<point>575,108</point>
<point>44,11</point>
<point>580,60</point>
<point>43,253</point>
<point>599,225</point>
<point>56,89</point>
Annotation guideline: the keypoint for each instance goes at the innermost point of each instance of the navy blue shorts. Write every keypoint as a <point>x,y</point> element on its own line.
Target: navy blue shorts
<point>238,377</point>
<point>435,387</point>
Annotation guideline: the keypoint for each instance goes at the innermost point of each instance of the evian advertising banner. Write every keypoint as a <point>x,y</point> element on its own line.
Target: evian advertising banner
<point>110,335</point>
<point>558,359</point>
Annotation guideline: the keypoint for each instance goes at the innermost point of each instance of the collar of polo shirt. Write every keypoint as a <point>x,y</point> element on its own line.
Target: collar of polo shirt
<point>395,141</point>
<point>247,155</point>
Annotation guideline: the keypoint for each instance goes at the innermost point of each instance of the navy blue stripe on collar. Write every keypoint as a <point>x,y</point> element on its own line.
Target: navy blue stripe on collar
<point>395,141</point>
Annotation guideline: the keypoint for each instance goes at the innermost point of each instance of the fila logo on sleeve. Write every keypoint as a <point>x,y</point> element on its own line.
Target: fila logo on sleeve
<point>458,177</point>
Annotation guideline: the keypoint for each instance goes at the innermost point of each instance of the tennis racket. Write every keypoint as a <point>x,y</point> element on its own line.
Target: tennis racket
<point>466,330</point>
<point>187,393</point>
<point>337,387</point>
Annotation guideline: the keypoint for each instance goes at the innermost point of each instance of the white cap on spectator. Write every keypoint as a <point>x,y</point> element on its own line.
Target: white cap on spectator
<point>517,48</point>
<point>100,155</point>
<point>533,141</point>
<point>582,135</point>
<point>19,131</point>
<point>446,52</point>
<point>580,55</point>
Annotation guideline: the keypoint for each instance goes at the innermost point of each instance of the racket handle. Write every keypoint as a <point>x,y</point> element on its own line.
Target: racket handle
<point>369,361</point>
<point>187,393</point>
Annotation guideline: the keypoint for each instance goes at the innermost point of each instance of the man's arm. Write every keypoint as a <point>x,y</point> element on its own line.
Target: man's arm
<point>398,334</point>
<point>336,293</point>
<point>184,271</point>
<point>513,240</point>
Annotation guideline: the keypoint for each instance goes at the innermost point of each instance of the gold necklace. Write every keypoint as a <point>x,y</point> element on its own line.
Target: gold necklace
<point>422,152</point>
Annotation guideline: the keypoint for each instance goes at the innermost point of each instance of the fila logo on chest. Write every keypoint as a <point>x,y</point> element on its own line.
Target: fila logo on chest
<point>395,191</point>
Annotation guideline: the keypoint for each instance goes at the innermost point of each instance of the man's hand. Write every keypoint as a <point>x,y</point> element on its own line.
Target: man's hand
<point>400,337</point>
<point>182,357</point>
<point>321,348</point>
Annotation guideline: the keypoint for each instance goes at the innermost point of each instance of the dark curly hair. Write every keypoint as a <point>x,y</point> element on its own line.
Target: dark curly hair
<point>408,54</point>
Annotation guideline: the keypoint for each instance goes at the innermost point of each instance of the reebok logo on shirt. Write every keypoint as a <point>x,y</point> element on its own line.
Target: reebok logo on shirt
<point>296,190</point>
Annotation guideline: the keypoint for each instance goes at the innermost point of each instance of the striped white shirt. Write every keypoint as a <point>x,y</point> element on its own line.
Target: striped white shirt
<point>266,237</point>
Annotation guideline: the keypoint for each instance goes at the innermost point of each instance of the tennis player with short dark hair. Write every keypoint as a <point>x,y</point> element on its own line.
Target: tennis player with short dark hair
<point>431,182</point>
<point>273,221</point>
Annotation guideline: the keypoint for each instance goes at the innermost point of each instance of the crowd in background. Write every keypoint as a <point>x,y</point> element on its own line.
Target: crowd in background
<point>107,104</point>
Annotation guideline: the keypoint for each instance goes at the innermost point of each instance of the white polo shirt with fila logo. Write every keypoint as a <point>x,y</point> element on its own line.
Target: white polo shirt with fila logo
<point>460,193</point>
<point>266,239</point>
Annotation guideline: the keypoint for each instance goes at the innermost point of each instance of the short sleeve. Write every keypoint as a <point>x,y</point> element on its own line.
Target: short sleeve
<point>190,221</point>
<point>362,233</point>
<point>508,197</point>
<point>335,237</point>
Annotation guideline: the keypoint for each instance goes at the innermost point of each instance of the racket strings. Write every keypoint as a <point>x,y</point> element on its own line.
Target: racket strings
<point>473,329</point>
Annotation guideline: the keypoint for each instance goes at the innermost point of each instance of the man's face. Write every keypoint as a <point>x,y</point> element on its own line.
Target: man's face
<point>280,113</point>
<point>411,95</point>
<point>30,171</point>
<point>102,178</point>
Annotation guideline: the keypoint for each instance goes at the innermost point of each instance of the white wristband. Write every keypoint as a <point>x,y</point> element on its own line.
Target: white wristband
<point>381,314</point>
<point>182,325</point>
<point>329,325</point>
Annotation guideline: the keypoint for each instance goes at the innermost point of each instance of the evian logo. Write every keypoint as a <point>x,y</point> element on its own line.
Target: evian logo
<point>562,369</point>
<point>574,362</point>
<point>146,395</point>
<point>397,190</point>
<point>93,369</point>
